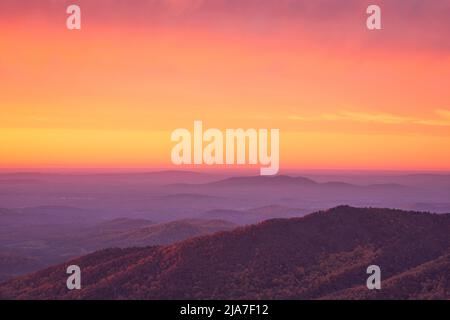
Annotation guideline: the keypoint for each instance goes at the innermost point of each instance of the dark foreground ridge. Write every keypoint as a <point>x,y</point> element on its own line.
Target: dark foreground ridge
<point>322,255</point>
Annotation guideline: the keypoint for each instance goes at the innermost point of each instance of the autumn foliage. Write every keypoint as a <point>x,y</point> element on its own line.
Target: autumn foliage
<point>322,255</point>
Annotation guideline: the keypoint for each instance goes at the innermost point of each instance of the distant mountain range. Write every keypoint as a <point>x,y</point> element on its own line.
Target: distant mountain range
<point>155,177</point>
<point>322,255</point>
<point>261,180</point>
<point>173,195</point>
<point>280,180</point>
<point>284,180</point>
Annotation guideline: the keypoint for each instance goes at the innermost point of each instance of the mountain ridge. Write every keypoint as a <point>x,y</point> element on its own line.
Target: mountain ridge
<point>310,257</point>
<point>283,180</point>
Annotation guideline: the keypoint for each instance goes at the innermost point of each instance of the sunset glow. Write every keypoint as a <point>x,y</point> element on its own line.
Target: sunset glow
<point>110,94</point>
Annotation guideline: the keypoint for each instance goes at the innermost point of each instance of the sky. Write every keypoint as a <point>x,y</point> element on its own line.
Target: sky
<point>110,94</point>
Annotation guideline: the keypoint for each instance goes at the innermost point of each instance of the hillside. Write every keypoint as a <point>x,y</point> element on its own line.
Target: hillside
<point>29,248</point>
<point>147,235</point>
<point>430,280</point>
<point>254,215</point>
<point>13,264</point>
<point>322,255</point>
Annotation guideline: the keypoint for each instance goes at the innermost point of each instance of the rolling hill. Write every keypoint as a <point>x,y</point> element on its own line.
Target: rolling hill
<point>254,215</point>
<point>13,264</point>
<point>146,235</point>
<point>30,248</point>
<point>322,255</point>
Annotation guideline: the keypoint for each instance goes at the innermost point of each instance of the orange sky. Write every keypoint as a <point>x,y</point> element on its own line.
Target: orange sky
<point>110,94</point>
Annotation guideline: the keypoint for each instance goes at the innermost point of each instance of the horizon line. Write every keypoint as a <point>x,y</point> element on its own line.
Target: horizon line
<point>246,171</point>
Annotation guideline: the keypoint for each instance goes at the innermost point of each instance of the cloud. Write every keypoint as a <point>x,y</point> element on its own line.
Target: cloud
<point>300,118</point>
<point>386,118</point>
<point>442,118</point>
<point>443,113</point>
